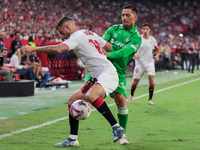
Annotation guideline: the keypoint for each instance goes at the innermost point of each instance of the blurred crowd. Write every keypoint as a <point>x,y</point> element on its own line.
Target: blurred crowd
<point>38,17</point>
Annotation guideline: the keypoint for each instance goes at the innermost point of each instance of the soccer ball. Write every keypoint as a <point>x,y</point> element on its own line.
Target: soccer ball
<point>80,110</point>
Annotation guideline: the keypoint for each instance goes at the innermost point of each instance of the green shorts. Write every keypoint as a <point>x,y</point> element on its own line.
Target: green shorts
<point>121,87</point>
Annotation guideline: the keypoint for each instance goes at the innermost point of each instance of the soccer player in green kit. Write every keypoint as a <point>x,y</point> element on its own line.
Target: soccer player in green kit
<point>125,40</point>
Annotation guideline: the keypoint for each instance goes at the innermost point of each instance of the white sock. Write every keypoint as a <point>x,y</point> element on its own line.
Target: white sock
<point>72,136</point>
<point>117,124</point>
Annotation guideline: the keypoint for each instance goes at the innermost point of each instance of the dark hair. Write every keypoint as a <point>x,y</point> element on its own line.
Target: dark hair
<point>17,32</point>
<point>129,6</point>
<point>30,39</point>
<point>4,49</point>
<point>63,20</point>
<point>146,24</point>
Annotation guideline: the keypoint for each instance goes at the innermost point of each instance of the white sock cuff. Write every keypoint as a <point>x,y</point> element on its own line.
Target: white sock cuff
<point>122,110</point>
<point>72,136</point>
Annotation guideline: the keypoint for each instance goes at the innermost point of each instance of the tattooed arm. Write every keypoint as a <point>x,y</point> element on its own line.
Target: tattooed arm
<point>53,49</point>
<point>108,47</point>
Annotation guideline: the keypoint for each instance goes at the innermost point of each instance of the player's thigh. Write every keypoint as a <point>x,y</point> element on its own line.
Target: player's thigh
<point>120,99</point>
<point>121,88</point>
<point>76,96</point>
<point>107,82</point>
<point>95,92</point>
<point>138,71</point>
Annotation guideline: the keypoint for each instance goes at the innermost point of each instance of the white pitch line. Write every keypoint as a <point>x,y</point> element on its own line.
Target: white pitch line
<point>3,117</point>
<point>56,120</point>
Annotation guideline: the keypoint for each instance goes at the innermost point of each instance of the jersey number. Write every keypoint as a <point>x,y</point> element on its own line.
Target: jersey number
<point>97,45</point>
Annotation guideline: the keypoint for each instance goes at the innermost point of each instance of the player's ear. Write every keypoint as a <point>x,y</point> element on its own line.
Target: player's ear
<point>135,17</point>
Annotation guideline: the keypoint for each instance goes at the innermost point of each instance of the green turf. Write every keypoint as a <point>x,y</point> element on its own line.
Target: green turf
<point>171,124</point>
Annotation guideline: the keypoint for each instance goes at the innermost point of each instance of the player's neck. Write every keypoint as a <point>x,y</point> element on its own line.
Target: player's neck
<point>145,37</point>
<point>129,27</point>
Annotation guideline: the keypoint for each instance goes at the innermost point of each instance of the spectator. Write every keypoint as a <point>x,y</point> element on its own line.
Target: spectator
<point>183,53</point>
<point>192,57</point>
<point>159,65</point>
<point>21,69</point>
<point>2,37</point>
<point>4,71</point>
<point>31,42</point>
<point>15,43</point>
<point>167,56</point>
<point>177,61</point>
<point>197,55</point>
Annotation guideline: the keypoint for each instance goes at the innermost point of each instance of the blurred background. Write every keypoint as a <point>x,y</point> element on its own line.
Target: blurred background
<point>174,24</point>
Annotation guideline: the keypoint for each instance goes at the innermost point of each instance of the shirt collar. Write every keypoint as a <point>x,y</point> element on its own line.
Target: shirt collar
<point>132,30</point>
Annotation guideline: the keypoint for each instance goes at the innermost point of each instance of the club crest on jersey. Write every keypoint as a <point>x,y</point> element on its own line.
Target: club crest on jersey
<point>150,42</point>
<point>127,40</point>
<point>115,35</point>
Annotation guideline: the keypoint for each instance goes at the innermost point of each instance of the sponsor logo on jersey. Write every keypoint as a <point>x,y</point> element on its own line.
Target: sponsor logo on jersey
<point>133,46</point>
<point>115,35</point>
<point>122,86</point>
<point>112,41</point>
<point>127,40</point>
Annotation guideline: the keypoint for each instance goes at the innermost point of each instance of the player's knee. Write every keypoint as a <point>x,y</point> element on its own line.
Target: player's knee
<point>71,100</point>
<point>151,80</point>
<point>121,101</point>
<point>91,97</point>
<point>135,82</point>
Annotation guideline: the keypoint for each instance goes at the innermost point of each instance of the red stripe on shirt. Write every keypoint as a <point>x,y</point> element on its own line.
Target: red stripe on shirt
<point>66,45</point>
<point>105,45</point>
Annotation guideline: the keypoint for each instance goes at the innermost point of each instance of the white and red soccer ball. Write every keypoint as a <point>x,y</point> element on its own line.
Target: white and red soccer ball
<point>80,110</point>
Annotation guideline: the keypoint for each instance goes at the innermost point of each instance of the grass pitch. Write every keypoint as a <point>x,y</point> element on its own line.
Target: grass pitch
<point>171,124</point>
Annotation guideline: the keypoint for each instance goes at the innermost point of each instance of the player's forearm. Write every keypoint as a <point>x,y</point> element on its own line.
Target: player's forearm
<point>108,47</point>
<point>158,51</point>
<point>53,49</point>
<point>117,54</point>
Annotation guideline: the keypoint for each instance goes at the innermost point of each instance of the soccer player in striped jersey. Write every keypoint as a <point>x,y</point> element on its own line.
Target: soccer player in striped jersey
<point>144,61</point>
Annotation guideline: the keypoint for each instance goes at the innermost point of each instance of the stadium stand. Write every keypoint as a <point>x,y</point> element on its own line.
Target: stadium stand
<point>173,22</point>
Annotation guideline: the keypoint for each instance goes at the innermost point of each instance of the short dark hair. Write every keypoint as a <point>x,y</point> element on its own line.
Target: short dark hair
<point>17,32</point>
<point>30,39</point>
<point>146,24</point>
<point>63,20</point>
<point>129,6</point>
<point>4,49</point>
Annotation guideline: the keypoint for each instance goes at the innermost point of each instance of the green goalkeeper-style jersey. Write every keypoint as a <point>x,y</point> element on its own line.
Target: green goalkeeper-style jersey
<point>125,44</point>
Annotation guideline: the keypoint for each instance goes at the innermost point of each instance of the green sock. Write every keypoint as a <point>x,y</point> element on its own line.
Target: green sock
<point>123,116</point>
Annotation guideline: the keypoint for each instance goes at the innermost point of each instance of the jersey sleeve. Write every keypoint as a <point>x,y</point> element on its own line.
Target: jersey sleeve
<point>130,48</point>
<point>102,42</point>
<point>108,34</point>
<point>154,42</point>
<point>72,42</point>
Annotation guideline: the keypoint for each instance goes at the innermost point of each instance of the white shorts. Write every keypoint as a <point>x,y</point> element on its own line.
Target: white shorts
<point>140,70</point>
<point>109,81</point>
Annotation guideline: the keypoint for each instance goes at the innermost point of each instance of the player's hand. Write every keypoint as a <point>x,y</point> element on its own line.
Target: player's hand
<point>27,49</point>
<point>136,56</point>
<point>156,58</point>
